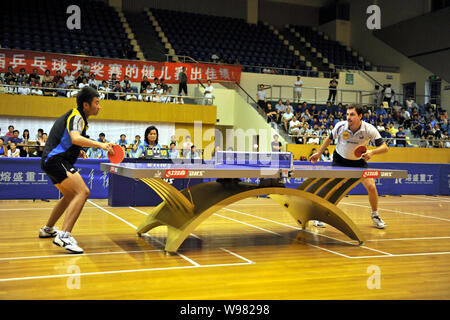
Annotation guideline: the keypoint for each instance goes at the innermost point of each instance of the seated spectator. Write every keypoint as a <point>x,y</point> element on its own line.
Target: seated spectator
<point>171,98</point>
<point>313,150</point>
<point>186,145</point>
<point>118,92</point>
<point>86,68</point>
<point>409,103</point>
<point>48,89</point>
<point>34,77</point>
<point>154,97</point>
<point>192,154</point>
<point>159,90</point>
<point>3,148</point>
<point>144,84</point>
<point>272,115</point>
<point>155,83</point>
<point>437,136</point>
<point>69,79</point>
<point>61,86</point>
<point>36,89</point>
<point>132,96</point>
<point>287,116</point>
<point>112,81</point>
<point>173,153</point>
<point>314,139</point>
<point>41,142</point>
<point>215,57</point>
<point>164,98</point>
<point>136,151</point>
<point>164,86</point>
<point>13,151</point>
<point>147,94</point>
<point>11,88</point>
<point>72,92</point>
<point>137,141</point>
<point>10,75</point>
<point>102,137</point>
<point>92,82</point>
<point>381,110</point>
<point>58,77</point>
<point>416,127</point>
<point>423,143</point>
<point>326,156</point>
<point>306,115</point>
<point>15,138</point>
<point>294,126</point>
<point>404,118</point>
<point>79,78</point>
<point>400,136</point>
<point>103,90</point>
<point>23,89</point>
<point>123,140</point>
<point>94,153</point>
<point>380,127</point>
<point>433,121</point>
<point>22,76</point>
<point>83,83</point>
<point>47,77</point>
<point>446,141</point>
<point>305,131</point>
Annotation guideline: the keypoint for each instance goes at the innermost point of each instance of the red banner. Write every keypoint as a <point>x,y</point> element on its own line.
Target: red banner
<point>103,68</point>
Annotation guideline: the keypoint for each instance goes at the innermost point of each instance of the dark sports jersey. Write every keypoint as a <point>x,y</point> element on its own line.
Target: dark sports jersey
<point>59,142</point>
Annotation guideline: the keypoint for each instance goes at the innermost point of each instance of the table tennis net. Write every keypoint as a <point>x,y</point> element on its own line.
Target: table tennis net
<point>259,159</point>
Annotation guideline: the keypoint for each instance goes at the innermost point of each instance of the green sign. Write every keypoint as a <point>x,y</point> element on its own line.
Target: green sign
<point>349,78</point>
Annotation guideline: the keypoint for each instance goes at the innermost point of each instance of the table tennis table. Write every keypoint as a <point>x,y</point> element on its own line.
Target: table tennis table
<point>183,210</point>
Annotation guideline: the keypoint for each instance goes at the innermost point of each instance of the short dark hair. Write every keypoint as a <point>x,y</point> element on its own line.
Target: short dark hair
<point>87,94</point>
<point>101,134</point>
<point>358,108</point>
<point>16,131</point>
<point>172,143</point>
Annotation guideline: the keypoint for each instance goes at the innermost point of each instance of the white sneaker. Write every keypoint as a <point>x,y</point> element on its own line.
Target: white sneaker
<point>46,232</point>
<point>68,243</point>
<point>318,223</point>
<point>380,224</point>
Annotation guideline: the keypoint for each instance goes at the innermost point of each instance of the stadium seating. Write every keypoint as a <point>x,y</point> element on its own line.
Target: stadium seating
<point>42,26</point>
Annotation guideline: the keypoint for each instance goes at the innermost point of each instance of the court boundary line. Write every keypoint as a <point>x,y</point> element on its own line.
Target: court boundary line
<point>353,257</point>
<point>397,211</point>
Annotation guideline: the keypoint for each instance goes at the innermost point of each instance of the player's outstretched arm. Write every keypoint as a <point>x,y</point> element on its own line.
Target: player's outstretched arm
<point>81,141</point>
<point>316,156</point>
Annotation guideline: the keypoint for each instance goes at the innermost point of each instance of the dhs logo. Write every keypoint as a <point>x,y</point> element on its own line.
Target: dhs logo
<point>370,174</point>
<point>176,173</point>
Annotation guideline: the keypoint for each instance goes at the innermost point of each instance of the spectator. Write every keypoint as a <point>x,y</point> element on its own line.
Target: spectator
<point>103,90</point>
<point>261,97</point>
<point>159,89</point>
<point>332,90</point>
<point>62,86</point>
<point>409,103</point>
<point>388,93</point>
<point>147,94</point>
<point>164,86</point>
<point>187,145</point>
<point>215,57</point>
<point>86,68</point>
<point>276,145</point>
<point>326,156</point>
<point>125,82</point>
<point>287,116</point>
<point>298,89</point>
<point>306,115</point>
<point>381,111</point>
<point>294,126</point>
<point>173,153</point>
<point>272,116</point>
<point>400,138</point>
<point>182,84</point>
<point>118,92</point>
<point>438,136</point>
<point>155,83</point>
<point>171,98</point>
<point>92,82</point>
<point>34,77</point>
<point>180,100</point>
<point>102,137</point>
<point>423,143</point>
<point>112,81</point>
<point>11,89</point>
<point>208,93</point>
<point>41,142</point>
<point>192,154</point>
<point>123,140</point>
<point>380,127</point>
<point>144,84</point>
<point>164,98</point>
<point>13,152</point>
<point>83,83</point>
<point>3,149</point>
<point>72,92</point>
<point>10,75</point>
<point>404,118</point>
<point>314,139</point>
<point>23,89</point>
<point>136,151</point>
<point>22,76</point>
<point>58,77</point>
<point>69,79</point>
<point>47,77</point>
<point>79,78</point>
<point>15,138</point>
<point>132,96</point>
<point>94,153</point>
<point>416,127</point>
<point>50,91</point>
<point>151,137</point>
<point>446,141</point>
<point>304,132</point>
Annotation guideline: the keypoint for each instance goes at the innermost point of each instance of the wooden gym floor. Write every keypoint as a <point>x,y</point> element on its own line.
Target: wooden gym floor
<point>250,250</point>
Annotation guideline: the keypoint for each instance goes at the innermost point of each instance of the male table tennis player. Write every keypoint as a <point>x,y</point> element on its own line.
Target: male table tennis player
<point>63,147</point>
<point>351,134</point>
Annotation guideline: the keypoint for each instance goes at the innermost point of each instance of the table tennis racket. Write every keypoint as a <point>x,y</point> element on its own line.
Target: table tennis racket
<point>359,151</point>
<point>118,155</point>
